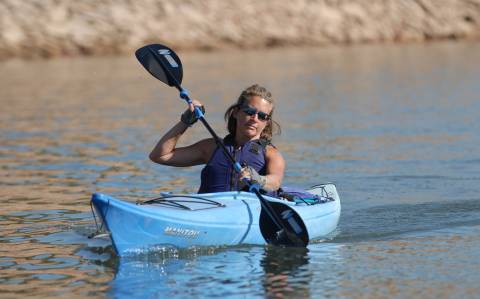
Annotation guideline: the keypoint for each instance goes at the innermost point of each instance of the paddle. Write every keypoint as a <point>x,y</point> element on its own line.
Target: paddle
<point>162,63</point>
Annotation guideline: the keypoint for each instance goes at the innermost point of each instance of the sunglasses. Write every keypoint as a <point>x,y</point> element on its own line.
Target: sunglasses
<point>250,111</point>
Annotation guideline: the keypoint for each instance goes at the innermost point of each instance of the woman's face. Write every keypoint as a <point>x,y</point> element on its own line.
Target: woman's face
<point>251,126</point>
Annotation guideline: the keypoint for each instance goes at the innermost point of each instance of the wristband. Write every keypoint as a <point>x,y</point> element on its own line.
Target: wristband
<point>189,118</point>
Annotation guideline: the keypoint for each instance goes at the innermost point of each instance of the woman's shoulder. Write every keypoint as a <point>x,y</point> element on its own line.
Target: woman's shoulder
<point>266,144</point>
<point>272,151</point>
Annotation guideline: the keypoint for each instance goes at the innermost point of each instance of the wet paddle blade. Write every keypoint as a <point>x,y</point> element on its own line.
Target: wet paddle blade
<point>292,233</point>
<point>162,63</point>
<point>289,239</point>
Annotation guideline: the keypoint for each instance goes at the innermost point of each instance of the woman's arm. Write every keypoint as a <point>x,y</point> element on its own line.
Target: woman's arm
<point>275,169</point>
<point>166,152</point>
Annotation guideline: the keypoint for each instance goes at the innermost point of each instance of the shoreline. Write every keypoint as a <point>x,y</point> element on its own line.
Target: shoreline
<point>47,29</point>
<point>233,50</point>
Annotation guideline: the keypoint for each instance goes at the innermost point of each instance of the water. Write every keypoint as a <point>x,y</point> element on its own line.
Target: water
<point>394,126</point>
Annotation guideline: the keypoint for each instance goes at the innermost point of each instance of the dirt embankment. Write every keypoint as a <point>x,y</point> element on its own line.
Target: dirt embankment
<point>48,28</point>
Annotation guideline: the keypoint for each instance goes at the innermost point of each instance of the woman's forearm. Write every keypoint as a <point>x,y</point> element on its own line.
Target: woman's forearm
<point>272,182</point>
<point>165,147</point>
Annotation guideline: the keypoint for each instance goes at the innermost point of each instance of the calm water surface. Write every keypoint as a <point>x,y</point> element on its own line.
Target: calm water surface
<point>395,127</point>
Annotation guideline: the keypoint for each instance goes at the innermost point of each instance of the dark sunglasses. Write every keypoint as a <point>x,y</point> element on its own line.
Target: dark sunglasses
<point>252,111</point>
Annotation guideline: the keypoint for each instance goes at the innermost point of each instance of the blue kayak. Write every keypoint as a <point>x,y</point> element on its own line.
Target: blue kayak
<point>209,219</point>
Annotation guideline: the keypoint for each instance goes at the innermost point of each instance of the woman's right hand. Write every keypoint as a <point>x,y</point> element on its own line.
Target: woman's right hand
<point>194,103</point>
<point>188,117</point>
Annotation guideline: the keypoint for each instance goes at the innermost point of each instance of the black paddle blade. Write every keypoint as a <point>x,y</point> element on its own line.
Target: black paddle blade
<point>294,233</point>
<point>289,239</point>
<point>162,63</point>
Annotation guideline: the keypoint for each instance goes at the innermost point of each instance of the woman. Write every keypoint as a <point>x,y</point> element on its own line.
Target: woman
<point>250,127</point>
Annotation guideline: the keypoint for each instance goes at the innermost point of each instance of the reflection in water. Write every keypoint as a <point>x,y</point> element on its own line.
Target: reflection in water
<point>40,255</point>
<point>280,272</point>
<point>164,272</point>
<point>287,274</point>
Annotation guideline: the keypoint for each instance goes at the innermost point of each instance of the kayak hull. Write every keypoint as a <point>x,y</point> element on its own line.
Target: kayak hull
<point>211,219</point>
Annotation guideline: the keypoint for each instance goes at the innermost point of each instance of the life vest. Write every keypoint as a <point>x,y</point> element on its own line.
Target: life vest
<point>218,175</point>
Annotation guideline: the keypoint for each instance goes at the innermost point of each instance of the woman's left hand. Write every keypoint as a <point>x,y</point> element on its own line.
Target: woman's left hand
<point>252,176</point>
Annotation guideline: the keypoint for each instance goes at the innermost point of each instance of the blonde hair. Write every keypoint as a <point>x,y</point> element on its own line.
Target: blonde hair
<point>272,126</point>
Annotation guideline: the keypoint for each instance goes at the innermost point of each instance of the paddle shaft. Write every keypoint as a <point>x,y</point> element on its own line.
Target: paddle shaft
<point>284,235</point>
<point>267,208</point>
<point>184,95</point>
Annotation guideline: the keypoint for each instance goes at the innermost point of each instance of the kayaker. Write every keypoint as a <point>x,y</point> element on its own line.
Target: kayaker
<point>250,125</point>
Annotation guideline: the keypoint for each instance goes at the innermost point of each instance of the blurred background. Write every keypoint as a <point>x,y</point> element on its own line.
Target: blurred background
<point>52,28</point>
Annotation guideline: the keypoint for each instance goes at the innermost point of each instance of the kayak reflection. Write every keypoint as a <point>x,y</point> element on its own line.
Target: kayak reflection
<point>287,274</point>
<point>214,272</point>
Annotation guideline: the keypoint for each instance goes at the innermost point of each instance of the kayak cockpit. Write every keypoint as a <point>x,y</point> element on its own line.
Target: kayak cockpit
<point>183,201</point>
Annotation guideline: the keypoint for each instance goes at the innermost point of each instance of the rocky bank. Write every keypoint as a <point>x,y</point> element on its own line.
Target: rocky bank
<point>48,28</point>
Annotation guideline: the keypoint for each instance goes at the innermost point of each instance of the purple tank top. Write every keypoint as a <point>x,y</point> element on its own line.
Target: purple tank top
<point>219,175</point>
